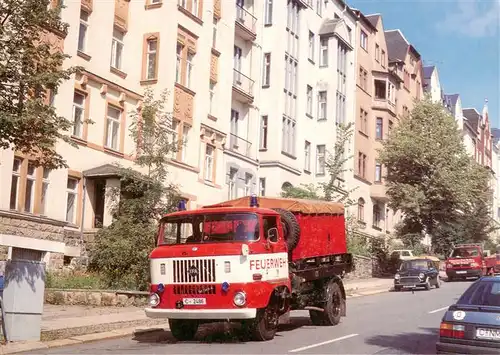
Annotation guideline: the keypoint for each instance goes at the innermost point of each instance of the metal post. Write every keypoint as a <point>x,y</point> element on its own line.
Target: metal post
<point>4,329</point>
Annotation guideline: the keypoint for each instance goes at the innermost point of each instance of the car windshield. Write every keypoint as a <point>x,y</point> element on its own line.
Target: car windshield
<point>209,228</point>
<point>482,293</point>
<point>414,264</point>
<point>464,253</point>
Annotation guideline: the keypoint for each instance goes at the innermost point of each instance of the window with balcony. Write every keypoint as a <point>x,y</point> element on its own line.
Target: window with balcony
<point>82,32</point>
<point>363,121</point>
<point>363,40</point>
<point>323,52</point>
<point>78,114</point>
<point>378,172</point>
<point>209,163</point>
<point>113,127</point>
<point>322,105</point>
<point>71,199</point>
<point>268,15</point>
<point>307,156</point>
<point>380,89</point>
<point>361,209</point>
<point>117,49</point>
<point>266,79</point>
<point>263,132</point>
<point>320,159</point>
<point>379,128</point>
<point>309,100</point>
<point>362,165</point>
<point>311,46</point>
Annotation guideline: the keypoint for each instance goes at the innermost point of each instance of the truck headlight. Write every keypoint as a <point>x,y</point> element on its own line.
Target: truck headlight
<point>240,298</point>
<point>154,300</point>
<point>421,276</point>
<point>397,277</point>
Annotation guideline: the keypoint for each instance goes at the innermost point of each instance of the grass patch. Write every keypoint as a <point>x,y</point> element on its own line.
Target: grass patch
<point>88,281</point>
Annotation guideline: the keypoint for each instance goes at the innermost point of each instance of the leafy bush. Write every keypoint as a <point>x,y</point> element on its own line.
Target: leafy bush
<point>75,280</point>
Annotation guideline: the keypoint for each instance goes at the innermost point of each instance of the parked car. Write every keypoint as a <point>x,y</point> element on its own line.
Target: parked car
<point>417,272</point>
<point>469,260</point>
<point>403,254</point>
<point>472,324</point>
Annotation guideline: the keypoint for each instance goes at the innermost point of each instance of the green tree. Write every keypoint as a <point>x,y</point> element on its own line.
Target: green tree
<point>121,251</point>
<point>30,68</point>
<point>430,177</point>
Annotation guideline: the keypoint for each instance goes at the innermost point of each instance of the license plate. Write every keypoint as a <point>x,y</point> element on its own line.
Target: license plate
<point>461,272</point>
<point>489,334</point>
<point>194,301</point>
<point>409,286</point>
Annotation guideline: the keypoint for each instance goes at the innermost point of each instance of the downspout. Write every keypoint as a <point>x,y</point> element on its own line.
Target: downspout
<point>258,45</point>
<point>83,210</point>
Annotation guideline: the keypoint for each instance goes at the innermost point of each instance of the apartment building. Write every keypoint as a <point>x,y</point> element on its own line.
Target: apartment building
<point>305,94</point>
<point>389,77</point>
<point>192,55</point>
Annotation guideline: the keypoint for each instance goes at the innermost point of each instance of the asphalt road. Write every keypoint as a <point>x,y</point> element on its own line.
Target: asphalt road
<point>388,323</point>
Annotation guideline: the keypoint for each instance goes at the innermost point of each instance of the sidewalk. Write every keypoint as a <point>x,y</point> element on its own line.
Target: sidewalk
<point>67,325</point>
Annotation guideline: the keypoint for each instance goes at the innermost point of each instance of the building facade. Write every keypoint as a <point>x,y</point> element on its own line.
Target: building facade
<point>389,77</point>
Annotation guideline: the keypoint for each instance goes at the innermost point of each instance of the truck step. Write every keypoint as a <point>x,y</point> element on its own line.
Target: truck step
<point>312,308</point>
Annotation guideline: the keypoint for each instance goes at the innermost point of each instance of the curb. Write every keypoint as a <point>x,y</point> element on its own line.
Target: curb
<point>367,292</point>
<point>80,339</point>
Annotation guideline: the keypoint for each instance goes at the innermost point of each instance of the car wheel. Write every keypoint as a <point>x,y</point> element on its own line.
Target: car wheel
<point>428,284</point>
<point>438,282</point>
<point>397,288</point>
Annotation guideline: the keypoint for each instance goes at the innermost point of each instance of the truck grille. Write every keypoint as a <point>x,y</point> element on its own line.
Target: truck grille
<point>412,280</point>
<point>194,270</point>
<point>194,289</point>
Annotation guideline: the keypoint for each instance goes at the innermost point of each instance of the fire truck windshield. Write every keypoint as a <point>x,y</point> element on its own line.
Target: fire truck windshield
<point>209,228</point>
<point>465,252</point>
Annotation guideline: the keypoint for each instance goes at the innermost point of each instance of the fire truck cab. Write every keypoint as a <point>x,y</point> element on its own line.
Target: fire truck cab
<point>249,260</point>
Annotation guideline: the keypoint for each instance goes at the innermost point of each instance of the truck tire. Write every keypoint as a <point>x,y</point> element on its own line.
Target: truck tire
<point>183,329</point>
<point>265,325</point>
<point>332,307</point>
<point>291,228</point>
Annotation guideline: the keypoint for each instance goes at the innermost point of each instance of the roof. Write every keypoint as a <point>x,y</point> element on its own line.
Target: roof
<point>373,18</point>
<point>106,170</point>
<point>428,71</point>
<point>495,132</point>
<point>398,46</point>
<point>451,99</point>
<point>293,205</point>
<point>371,24</point>
<point>328,26</point>
<point>473,117</point>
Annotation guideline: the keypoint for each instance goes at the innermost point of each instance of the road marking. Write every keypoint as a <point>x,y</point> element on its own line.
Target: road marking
<point>438,310</point>
<point>323,343</point>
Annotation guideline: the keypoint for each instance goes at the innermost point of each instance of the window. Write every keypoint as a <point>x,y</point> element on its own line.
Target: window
<point>16,180</point>
<point>361,165</point>
<point>390,126</point>
<point>194,7</point>
<point>309,100</point>
<point>262,186</point>
<point>363,40</point>
<point>44,192</point>
<point>380,89</point>
<point>231,183</point>
<point>175,140</point>
<point>183,146</point>
<point>363,78</point>
<point>378,172</point>
<point>211,89</point>
<point>323,52</point>
<point>376,216</point>
<point>78,114</point>
<point>82,33</point>
<point>233,139</point>
<point>151,58</point>
<point>341,84</point>
<point>189,69</point>
<point>320,159</point>
<point>361,209</point>
<point>268,16</point>
<point>30,189</point>
<point>307,156</point>
<point>248,184</point>
<point>209,163</point>
<point>113,127</point>
<point>363,121</point>
<point>288,134</point>
<point>71,199</point>
<point>319,7</point>
<point>178,63</point>
<point>322,103</point>
<point>379,133</point>
<point>311,46</point>
<point>117,49</point>
<point>377,52</point>
<point>382,59</point>
<point>214,33</point>
<point>184,65</point>
<point>263,132</point>
<point>266,80</point>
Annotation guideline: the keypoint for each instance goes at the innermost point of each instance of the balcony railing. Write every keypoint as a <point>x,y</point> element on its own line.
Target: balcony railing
<point>239,145</point>
<point>242,82</point>
<point>245,18</point>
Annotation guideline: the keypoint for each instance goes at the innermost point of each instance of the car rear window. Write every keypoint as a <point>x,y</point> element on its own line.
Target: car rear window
<point>483,293</point>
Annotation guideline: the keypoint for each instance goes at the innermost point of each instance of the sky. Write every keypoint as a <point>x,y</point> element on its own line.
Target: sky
<point>460,37</point>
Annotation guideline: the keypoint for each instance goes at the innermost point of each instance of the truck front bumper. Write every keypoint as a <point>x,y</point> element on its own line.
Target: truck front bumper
<point>457,273</point>
<point>238,313</point>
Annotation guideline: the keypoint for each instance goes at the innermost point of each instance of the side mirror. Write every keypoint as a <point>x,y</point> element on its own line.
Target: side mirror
<point>272,235</point>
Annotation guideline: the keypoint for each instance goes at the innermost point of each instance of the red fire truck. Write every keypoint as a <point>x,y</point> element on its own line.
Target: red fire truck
<point>469,260</point>
<point>250,260</point>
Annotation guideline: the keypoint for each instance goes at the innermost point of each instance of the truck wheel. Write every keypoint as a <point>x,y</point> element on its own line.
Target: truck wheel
<point>332,307</point>
<point>183,329</point>
<point>291,228</point>
<point>265,324</point>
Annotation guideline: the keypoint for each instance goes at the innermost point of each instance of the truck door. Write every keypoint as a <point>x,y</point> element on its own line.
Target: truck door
<point>278,245</point>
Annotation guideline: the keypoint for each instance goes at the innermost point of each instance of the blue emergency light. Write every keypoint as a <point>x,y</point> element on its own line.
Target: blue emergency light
<point>160,288</point>
<point>225,286</point>
<point>181,206</point>
<point>253,201</point>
